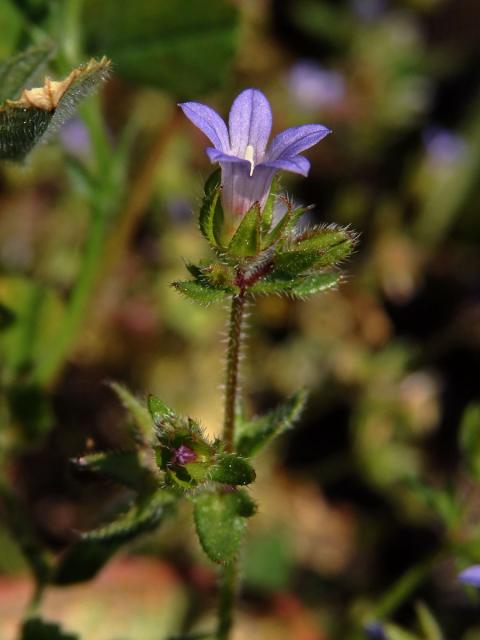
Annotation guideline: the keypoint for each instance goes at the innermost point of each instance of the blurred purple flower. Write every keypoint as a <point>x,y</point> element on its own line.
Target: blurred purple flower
<point>470,576</point>
<point>369,10</point>
<point>375,631</point>
<point>444,146</point>
<point>314,87</point>
<point>247,164</point>
<point>75,138</point>
<point>183,455</point>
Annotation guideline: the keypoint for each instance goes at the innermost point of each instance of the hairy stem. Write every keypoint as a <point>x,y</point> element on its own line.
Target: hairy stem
<point>232,373</point>
<point>229,579</point>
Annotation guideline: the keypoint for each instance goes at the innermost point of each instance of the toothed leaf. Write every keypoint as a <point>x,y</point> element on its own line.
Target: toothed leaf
<point>143,516</point>
<point>230,468</point>
<point>38,629</point>
<point>125,468</point>
<point>137,410</point>
<point>220,520</point>
<point>17,72</point>
<point>211,212</point>
<point>246,240</point>
<point>200,293</point>
<point>41,111</point>
<point>253,435</point>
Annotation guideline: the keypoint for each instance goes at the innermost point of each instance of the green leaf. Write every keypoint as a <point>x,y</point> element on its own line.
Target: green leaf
<point>143,516</point>
<point>246,240</point>
<point>393,632</point>
<point>470,438</point>
<point>185,47</point>
<point>293,263</point>
<point>230,468</point>
<point>83,560</point>
<point>126,468</point>
<point>199,293</point>
<point>428,624</point>
<point>220,520</point>
<point>267,214</point>
<point>284,226</point>
<point>18,71</point>
<point>252,435</point>
<point>298,287</point>
<point>332,244</point>
<point>137,410</point>
<point>211,212</point>
<point>37,115</point>
<point>38,629</point>
<point>158,410</point>
<point>7,317</point>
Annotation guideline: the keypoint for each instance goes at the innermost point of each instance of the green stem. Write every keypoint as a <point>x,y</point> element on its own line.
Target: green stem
<point>232,373</point>
<point>229,579</point>
<point>226,603</point>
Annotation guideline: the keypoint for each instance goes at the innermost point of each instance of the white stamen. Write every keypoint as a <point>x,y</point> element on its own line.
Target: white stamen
<point>249,155</point>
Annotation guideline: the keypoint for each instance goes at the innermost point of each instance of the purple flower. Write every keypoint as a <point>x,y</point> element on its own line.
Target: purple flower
<point>247,164</point>
<point>375,631</point>
<point>183,455</point>
<point>443,146</point>
<point>315,87</point>
<point>470,576</point>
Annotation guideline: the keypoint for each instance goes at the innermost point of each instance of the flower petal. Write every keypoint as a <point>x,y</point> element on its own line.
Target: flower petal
<point>218,156</point>
<point>250,123</point>
<point>241,190</point>
<point>295,164</point>
<point>209,122</point>
<point>292,141</point>
<point>471,575</point>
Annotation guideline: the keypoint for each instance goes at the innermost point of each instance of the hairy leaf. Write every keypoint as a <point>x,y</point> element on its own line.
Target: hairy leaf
<point>41,111</point>
<point>17,72</point>
<point>230,468</point>
<point>126,468</point>
<point>38,629</point>
<point>137,410</point>
<point>220,520</point>
<point>143,516</point>
<point>252,435</point>
<point>185,47</point>
<point>331,244</point>
<point>246,240</point>
<point>200,293</point>
<point>298,287</point>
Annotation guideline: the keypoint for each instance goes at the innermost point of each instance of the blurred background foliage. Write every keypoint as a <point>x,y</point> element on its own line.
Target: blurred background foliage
<point>371,504</point>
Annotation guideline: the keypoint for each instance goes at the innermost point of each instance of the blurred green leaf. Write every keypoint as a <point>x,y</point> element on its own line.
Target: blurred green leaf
<point>138,411</point>
<point>470,438</point>
<point>7,317</point>
<point>83,560</point>
<point>26,122</point>
<point>126,468</point>
<point>184,47</point>
<point>428,624</point>
<point>246,240</point>
<point>230,468</point>
<point>220,520</point>
<point>38,629</point>
<point>145,515</point>
<point>31,412</point>
<point>393,632</point>
<point>254,434</point>
<point>17,72</point>
<point>268,561</point>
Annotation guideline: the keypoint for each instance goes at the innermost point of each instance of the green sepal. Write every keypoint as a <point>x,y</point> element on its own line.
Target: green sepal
<point>38,629</point>
<point>211,212</point>
<point>246,239</point>
<point>20,70</point>
<point>145,515</point>
<point>126,468</point>
<point>284,226</point>
<point>159,411</point>
<point>200,293</point>
<point>253,435</point>
<point>299,287</point>
<point>267,214</point>
<point>232,469</point>
<point>23,126</point>
<point>332,244</point>
<point>220,521</point>
<point>137,410</point>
